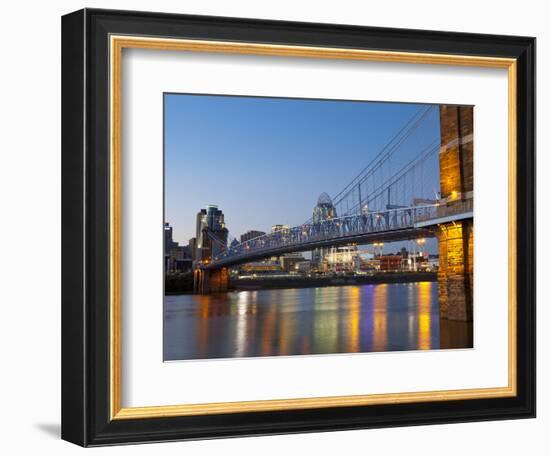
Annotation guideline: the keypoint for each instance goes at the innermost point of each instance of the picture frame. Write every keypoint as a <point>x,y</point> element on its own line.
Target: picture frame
<point>92,313</point>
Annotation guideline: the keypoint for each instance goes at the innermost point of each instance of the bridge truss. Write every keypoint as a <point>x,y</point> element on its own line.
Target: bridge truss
<point>394,224</point>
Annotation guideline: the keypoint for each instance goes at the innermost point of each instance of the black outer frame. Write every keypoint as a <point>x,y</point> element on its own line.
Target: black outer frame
<point>85,226</point>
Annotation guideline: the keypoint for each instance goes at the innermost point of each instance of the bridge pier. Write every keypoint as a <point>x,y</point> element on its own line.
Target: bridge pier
<point>456,238</point>
<point>210,280</point>
<point>455,277</point>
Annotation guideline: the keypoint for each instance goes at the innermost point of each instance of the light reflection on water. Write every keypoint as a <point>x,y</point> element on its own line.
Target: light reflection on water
<point>346,319</point>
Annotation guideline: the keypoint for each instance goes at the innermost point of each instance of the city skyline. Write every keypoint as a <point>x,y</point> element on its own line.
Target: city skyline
<point>270,158</point>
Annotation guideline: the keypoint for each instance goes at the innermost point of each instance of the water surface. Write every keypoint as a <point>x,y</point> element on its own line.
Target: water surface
<point>344,319</point>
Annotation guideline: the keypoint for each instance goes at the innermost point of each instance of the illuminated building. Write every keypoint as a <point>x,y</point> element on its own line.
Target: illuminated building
<point>261,267</point>
<point>343,258</point>
<point>289,260</point>
<point>390,262</point>
<point>302,267</point>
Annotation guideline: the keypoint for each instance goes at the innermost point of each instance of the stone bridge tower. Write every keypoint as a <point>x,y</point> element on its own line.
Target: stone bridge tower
<point>456,238</point>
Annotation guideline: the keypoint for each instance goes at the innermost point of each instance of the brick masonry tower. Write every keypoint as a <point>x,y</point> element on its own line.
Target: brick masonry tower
<point>456,238</point>
<point>211,280</point>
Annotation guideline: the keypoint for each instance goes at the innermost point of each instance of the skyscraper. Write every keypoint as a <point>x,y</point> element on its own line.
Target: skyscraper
<point>176,257</point>
<point>169,243</point>
<point>211,233</point>
<point>324,210</point>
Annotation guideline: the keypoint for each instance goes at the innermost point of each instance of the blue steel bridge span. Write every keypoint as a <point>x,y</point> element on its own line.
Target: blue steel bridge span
<point>381,226</point>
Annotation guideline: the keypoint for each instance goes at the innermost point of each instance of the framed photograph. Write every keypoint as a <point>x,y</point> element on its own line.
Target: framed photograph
<point>278,227</point>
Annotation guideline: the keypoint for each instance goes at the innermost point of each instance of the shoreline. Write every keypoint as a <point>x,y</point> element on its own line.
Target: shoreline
<point>317,282</point>
<point>269,283</point>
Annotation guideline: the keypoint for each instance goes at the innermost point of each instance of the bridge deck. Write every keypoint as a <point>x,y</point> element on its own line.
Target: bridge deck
<point>368,238</point>
<point>392,225</point>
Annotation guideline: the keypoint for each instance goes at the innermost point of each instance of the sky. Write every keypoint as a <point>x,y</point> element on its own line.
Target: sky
<point>265,161</point>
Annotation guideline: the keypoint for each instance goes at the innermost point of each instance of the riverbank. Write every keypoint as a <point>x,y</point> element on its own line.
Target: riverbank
<point>262,283</point>
<point>183,283</point>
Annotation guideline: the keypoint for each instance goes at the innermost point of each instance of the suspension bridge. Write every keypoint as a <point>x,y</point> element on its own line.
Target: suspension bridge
<point>419,184</point>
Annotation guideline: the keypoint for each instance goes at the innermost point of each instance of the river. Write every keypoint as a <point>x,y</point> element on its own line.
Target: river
<point>304,321</point>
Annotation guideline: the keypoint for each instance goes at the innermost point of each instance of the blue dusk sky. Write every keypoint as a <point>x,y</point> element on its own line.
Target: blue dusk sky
<point>265,161</point>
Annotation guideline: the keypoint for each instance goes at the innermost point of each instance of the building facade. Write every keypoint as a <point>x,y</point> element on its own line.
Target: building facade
<point>177,258</point>
<point>252,234</point>
<point>289,260</point>
<point>339,259</point>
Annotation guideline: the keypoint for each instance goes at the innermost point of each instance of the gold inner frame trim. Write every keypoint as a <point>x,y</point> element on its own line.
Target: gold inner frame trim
<point>117,44</point>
